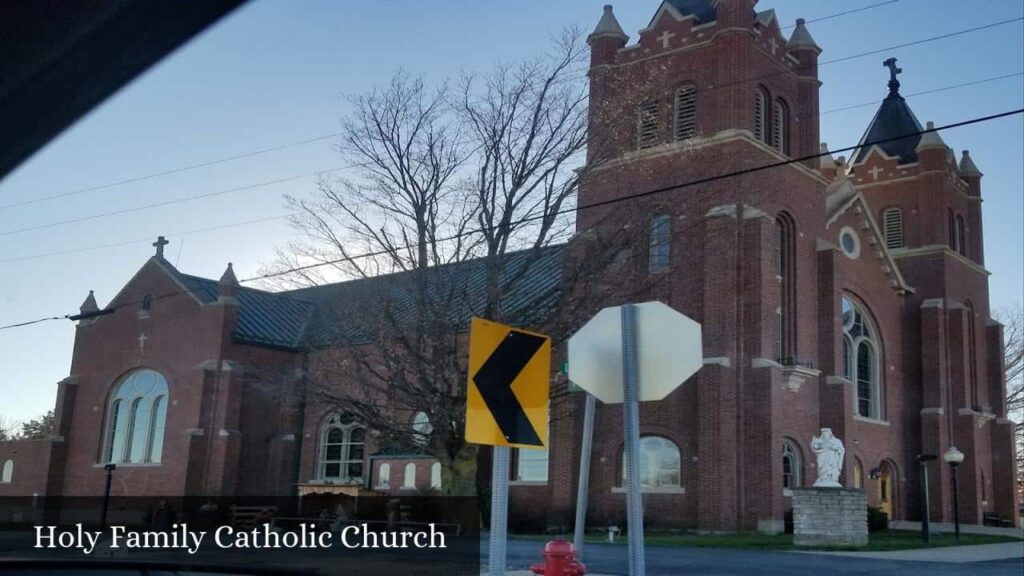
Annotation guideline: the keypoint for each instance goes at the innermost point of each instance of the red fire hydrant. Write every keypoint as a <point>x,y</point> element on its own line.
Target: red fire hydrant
<point>559,560</point>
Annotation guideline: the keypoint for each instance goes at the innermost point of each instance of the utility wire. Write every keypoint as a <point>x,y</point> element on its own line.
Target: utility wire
<point>283,216</point>
<point>309,141</point>
<point>577,209</point>
<point>838,14</point>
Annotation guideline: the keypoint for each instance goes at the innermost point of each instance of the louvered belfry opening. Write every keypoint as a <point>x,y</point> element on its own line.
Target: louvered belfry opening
<point>893,224</point>
<point>647,125</point>
<point>686,112</point>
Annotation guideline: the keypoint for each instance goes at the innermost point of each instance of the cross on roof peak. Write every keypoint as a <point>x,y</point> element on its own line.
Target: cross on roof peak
<point>894,84</point>
<point>160,243</point>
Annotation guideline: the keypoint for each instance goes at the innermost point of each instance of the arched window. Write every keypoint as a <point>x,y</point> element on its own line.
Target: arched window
<point>761,114</point>
<point>893,224</point>
<point>784,246</point>
<point>792,465</point>
<point>861,359</point>
<point>647,124</point>
<point>858,473</point>
<point>147,303</point>
<point>435,476</point>
<point>422,428</point>
<point>8,472</point>
<point>384,475</point>
<point>342,447</point>
<point>686,112</point>
<point>409,476</point>
<point>659,465</point>
<point>136,416</point>
<point>661,243</point>
<point>780,126</point>
<point>961,238</point>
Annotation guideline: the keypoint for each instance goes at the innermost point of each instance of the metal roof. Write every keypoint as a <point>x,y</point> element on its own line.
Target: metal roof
<point>354,312</point>
<point>894,118</point>
<point>704,10</point>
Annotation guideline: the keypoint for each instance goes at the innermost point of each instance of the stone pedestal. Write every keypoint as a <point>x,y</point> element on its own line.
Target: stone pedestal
<point>830,517</point>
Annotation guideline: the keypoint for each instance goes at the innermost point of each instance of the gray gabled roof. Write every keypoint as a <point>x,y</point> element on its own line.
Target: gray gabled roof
<point>264,318</point>
<point>703,10</point>
<point>356,311</point>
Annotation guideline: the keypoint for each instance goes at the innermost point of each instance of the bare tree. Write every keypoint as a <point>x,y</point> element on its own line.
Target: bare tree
<point>465,190</point>
<point>1012,319</point>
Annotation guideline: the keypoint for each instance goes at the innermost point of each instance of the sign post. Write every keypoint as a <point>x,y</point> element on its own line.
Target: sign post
<point>631,431</point>
<point>506,406</point>
<point>629,354</point>
<point>582,491</point>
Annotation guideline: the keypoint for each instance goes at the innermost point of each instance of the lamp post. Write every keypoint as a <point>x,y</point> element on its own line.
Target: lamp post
<point>106,496</point>
<point>954,458</point>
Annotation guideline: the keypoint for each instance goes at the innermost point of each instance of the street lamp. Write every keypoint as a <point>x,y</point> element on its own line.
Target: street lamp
<point>106,496</point>
<point>954,458</point>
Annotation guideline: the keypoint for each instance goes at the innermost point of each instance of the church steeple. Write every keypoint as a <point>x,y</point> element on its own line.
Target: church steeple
<point>893,120</point>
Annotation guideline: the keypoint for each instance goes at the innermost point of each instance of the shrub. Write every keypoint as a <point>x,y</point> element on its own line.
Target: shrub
<point>878,520</point>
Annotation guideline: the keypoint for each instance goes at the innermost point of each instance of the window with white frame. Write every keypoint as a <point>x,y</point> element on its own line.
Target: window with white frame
<point>422,428</point>
<point>342,449</point>
<point>647,125</point>
<point>136,418</point>
<point>435,476</point>
<point>686,112</point>
<point>532,465</point>
<point>659,465</point>
<point>384,475</point>
<point>7,475</point>
<point>861,359</point>
<point>893,224</point>
<point>792,465</point>
<point>409,476</point>
<point>661,243</point>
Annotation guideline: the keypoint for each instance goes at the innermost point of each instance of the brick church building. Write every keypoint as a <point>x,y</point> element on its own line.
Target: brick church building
<point>849,294</point>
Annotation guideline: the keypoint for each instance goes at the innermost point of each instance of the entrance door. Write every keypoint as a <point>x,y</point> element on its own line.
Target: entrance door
<point>885,490</point>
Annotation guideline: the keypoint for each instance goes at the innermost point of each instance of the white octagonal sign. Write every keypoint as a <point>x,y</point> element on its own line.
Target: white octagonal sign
<point>669,350</point>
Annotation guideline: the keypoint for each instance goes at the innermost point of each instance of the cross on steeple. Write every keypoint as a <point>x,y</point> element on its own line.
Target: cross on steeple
<point>894,84</point>
<point>160,243</point>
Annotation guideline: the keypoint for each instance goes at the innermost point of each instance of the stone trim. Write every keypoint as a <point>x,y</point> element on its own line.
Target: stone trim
<point>838,380</point>
<point>724,361</point>
<point>867,420</point>
<point>224,432</point>
<point>225,365</point>
<point>939,249</point>
<point>764,363</point>
<point>933,410</point>
<point>193,432</point>
<point>794,376</point>
<point>933,303</point>
<point>70,380</point>
<point>664,490</point>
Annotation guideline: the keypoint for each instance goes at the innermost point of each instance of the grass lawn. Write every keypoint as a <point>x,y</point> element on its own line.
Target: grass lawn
<point>877,541</point>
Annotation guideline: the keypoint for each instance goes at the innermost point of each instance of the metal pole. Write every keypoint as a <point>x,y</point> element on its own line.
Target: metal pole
<point>956,502</point>
<point>499,510</point>
<point>106,497</point>
<point>631,429</point>
<point>584,486</point>
<point>925,527</point>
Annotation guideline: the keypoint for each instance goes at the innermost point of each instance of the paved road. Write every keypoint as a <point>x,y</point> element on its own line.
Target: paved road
<point>611,559</point>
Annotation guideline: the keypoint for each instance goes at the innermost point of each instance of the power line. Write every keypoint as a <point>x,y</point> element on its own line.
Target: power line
<point>283,216</point>
<point>170,172</point>
<point>838,14</point>
<point>296,143</point>
<point>577,209</point>
<point>174,201</point>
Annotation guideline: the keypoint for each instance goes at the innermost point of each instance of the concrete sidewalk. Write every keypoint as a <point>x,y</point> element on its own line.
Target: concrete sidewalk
<point>949,554</point>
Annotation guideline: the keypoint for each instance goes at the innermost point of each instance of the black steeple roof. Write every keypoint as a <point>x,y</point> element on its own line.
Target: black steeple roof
<point>704,10</point>
<point>894,118</point>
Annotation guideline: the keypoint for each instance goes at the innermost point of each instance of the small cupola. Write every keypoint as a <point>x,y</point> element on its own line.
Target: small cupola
<point>227,286</point>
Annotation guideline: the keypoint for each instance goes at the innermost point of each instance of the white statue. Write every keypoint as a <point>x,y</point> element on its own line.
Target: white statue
<point>830,453</point>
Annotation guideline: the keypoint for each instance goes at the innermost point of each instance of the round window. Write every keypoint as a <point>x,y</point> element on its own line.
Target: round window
<point>849,242</point>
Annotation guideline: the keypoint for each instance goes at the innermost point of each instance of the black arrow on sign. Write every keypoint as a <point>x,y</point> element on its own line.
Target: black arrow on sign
<point>494,380</point>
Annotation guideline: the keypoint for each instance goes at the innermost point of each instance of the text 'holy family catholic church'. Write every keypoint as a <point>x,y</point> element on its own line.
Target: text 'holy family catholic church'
<point>850,294</point>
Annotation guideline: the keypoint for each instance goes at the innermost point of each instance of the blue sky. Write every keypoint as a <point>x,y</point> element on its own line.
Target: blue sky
<point>276,72</point>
